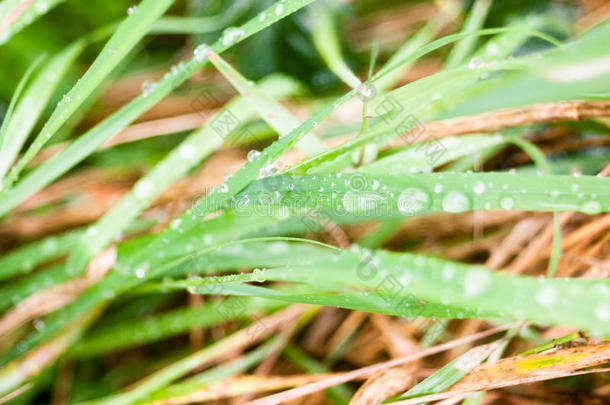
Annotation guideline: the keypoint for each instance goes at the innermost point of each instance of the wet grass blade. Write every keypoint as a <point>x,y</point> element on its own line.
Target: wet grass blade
<point>274,114</point>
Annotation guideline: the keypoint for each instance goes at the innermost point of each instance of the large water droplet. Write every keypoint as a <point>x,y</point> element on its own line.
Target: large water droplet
<point>257,275</point>
<point>456,201</point>
<point>253,154</point>
<point>591,207</point>
<point>413,200</point>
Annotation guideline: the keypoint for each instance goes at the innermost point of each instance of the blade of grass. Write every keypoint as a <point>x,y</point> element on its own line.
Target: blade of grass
<point>327,42</point>
<point>31,105</point>
<point>8,117</point>
<point>450,373</point>
<point>474,21</point>
<point>274,114</point>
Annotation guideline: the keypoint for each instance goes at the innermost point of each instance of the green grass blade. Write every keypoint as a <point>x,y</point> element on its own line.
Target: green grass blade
<point>34,100</point>
<point>8,117</point>
<point>425,156</point>
<point>418,194</point>
<point>450,373</point>
<point>274,114</point>
<point>327,42</point>
<point>464,47</point>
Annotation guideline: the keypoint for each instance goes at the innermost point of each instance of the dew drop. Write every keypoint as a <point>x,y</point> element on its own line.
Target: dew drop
<point>475,63</point>
<point>546,296</point>
<point>279,9</point>
<point>142,189</point>
<point>591,207</point>
<point>186,151</point>
<point>602,312</point>
<point>231,35</point>
<point>140,272</point>
<point>358,201</point>
<point>131,10</point>
<point>476,282</point>
<point>38,324</point>
<point>147,87</point>
<point>253,154</point>
<point>201,52</point>
<point>507,203</point>
<point>257,275</point>
<point>370,152</point>
<point>479,187</point>
<point>413,200</point>
<point>456,201</point>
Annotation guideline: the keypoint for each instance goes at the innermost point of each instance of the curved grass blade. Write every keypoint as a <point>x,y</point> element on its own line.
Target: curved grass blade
<point>274,114</point>
<point>474,22</point>
<point>8,117</point>
<point>33,102</point>
<point>450,373</point>
<point>579,303</point>
<point>327,42</point>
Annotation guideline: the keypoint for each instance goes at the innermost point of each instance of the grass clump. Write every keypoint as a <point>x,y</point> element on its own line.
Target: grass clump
<point>274,201</point>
